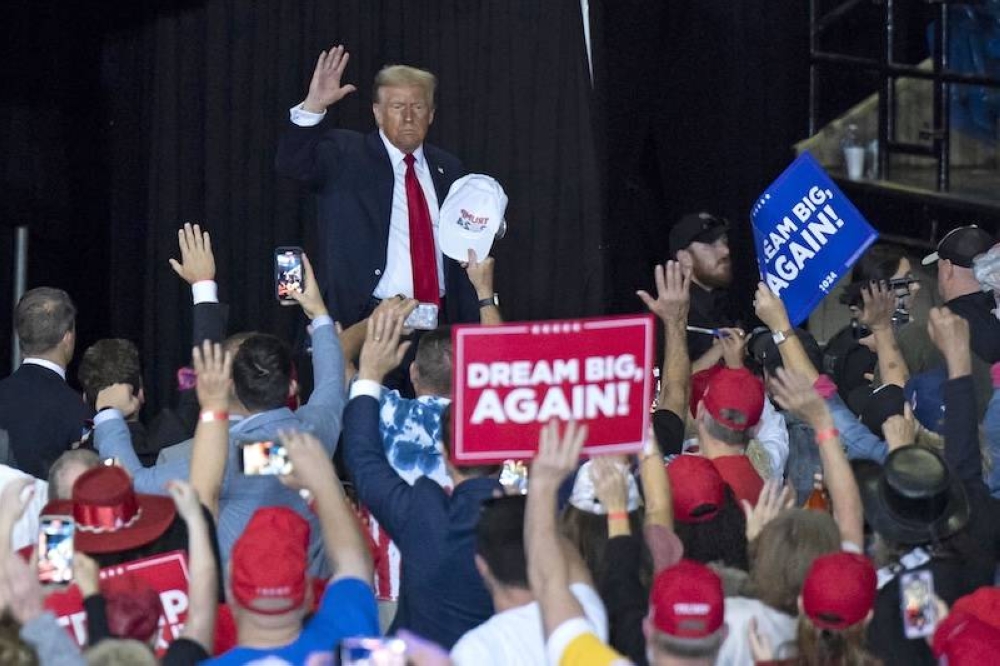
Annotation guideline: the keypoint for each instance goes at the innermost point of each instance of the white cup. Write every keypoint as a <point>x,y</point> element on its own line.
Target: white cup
<point>854,157</point>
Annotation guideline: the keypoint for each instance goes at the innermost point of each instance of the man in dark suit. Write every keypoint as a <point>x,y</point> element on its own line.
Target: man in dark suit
<point>378,194</point>
<point>43,416</point>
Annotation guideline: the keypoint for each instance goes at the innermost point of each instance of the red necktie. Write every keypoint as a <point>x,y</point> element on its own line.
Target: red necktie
<point>423,257</point>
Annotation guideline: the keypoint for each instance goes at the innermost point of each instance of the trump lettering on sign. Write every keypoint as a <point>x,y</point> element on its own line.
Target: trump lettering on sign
<point>510,380</point>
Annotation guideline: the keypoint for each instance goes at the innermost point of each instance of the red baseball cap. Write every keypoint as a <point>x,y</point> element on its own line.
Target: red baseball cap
<point>739,474</point>
<point>697,488</point>
<point>971,632</point>
<point>734,397</point>
<point>687,601</point>
<point>839,590</point>
<point>269,561</point>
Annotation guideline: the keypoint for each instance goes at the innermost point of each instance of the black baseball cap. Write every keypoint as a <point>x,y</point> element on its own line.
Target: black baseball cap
<point>696,228</point>
<point>960,246</point>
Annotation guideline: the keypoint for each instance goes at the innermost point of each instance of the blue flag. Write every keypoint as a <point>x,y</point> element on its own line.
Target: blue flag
<point>807,235</point>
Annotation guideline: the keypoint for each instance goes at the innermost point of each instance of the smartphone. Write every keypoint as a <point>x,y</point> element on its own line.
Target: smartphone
<point>288,272</point>
<point>372,652</point>
<point>263,458</point>
<point>424,318</point>
<point>916,606</point>
<point>55,550</point>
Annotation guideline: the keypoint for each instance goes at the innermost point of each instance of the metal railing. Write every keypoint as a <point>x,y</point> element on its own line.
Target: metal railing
<point>888,71</point>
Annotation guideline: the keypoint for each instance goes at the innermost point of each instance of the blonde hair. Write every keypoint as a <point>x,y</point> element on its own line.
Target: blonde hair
<point>404,75</point>
<point>115,651</point>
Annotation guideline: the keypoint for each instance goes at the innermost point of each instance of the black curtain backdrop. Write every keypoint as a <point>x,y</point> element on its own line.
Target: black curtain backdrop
<point>200,92</point>
<point>121,120</point>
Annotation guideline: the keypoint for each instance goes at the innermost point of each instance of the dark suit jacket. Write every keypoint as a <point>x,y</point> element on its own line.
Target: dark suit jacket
<point>353,180</point>
<point>442,594</point>
<point>42,415</point>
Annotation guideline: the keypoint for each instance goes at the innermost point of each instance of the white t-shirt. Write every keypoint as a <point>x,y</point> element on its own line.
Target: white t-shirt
<point>777,626</point>
<point>514,637</point>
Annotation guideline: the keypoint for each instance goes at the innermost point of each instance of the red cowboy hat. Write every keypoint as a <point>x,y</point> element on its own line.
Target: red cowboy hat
<point>110,516</point>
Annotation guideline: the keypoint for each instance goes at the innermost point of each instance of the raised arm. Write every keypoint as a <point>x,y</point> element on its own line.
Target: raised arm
<point>671,305</point>
<point>203,584</point>
<point>379,487</point>
<point>950,333</point>
<point>313,471</point>
<point>772,312</point>
<point>795,392</point>
<point>296,157</point>
<point>324,410</point>
<point>879,304</point>
<point>481,276</point>
<point>211,438</point>
<point>548,572</point>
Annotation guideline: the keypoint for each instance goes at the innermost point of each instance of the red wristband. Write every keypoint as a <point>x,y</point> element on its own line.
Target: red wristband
<point>210,417</point>
<point>826,435</point>
<point>618,515</point>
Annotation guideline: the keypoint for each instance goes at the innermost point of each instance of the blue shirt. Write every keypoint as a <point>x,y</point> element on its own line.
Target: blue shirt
<point>347,609</point>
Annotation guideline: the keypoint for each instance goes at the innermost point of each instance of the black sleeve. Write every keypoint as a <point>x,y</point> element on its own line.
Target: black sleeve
<point>669,431</point>
<point>961,430</point>
<point>208,322</point>
<point>624,597</point>
<point>97,619</point>
<point>184,652</point>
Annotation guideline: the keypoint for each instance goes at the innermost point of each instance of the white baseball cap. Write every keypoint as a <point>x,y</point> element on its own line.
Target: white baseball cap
<point>471,217</point>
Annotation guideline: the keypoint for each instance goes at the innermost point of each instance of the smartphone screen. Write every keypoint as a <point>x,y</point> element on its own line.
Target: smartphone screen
<point>264,458</point>
<point>917,606</point>
<point>367,651</point>
<point>423,318</point>
<point>55,550</point>
<point>288,273</point>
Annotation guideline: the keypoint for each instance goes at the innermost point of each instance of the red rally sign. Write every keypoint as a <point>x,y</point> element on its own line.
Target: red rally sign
<point>167,574</point>
<point>510,380</point>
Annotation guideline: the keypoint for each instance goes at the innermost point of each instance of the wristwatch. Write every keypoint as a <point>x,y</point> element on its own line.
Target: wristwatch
<point>780,336</point>
<point>493,300</point>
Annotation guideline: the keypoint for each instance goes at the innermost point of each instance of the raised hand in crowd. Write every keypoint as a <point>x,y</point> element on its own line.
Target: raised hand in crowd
<point>21,595</point>
<point>671,305</point>
<point>611,489</point>
<point>796,393</point>
<point>673,293</point>
<point>311,297</point>
<point>197,262</point>
<point>771,310</point>
<point>210,449</point>
<point>900,429</point>
<point>734,347</point>
<point>325,88</point>
<point>382,351</point>
<point>203,584</point>
<point>353,338</point>
<point>121,397</point>
<point>950,333</point>
<point>548,573</point>
<point>879,304</point>
<point>481,276</point>
<point>86,574</point>
<point>313,471</point>
<point>773,499</point>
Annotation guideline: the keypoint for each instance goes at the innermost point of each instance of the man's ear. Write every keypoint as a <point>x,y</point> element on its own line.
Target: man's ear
<point>414,375</point>
<point>377,112</point>
<point>482,567</point>
<point>685,259</point>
